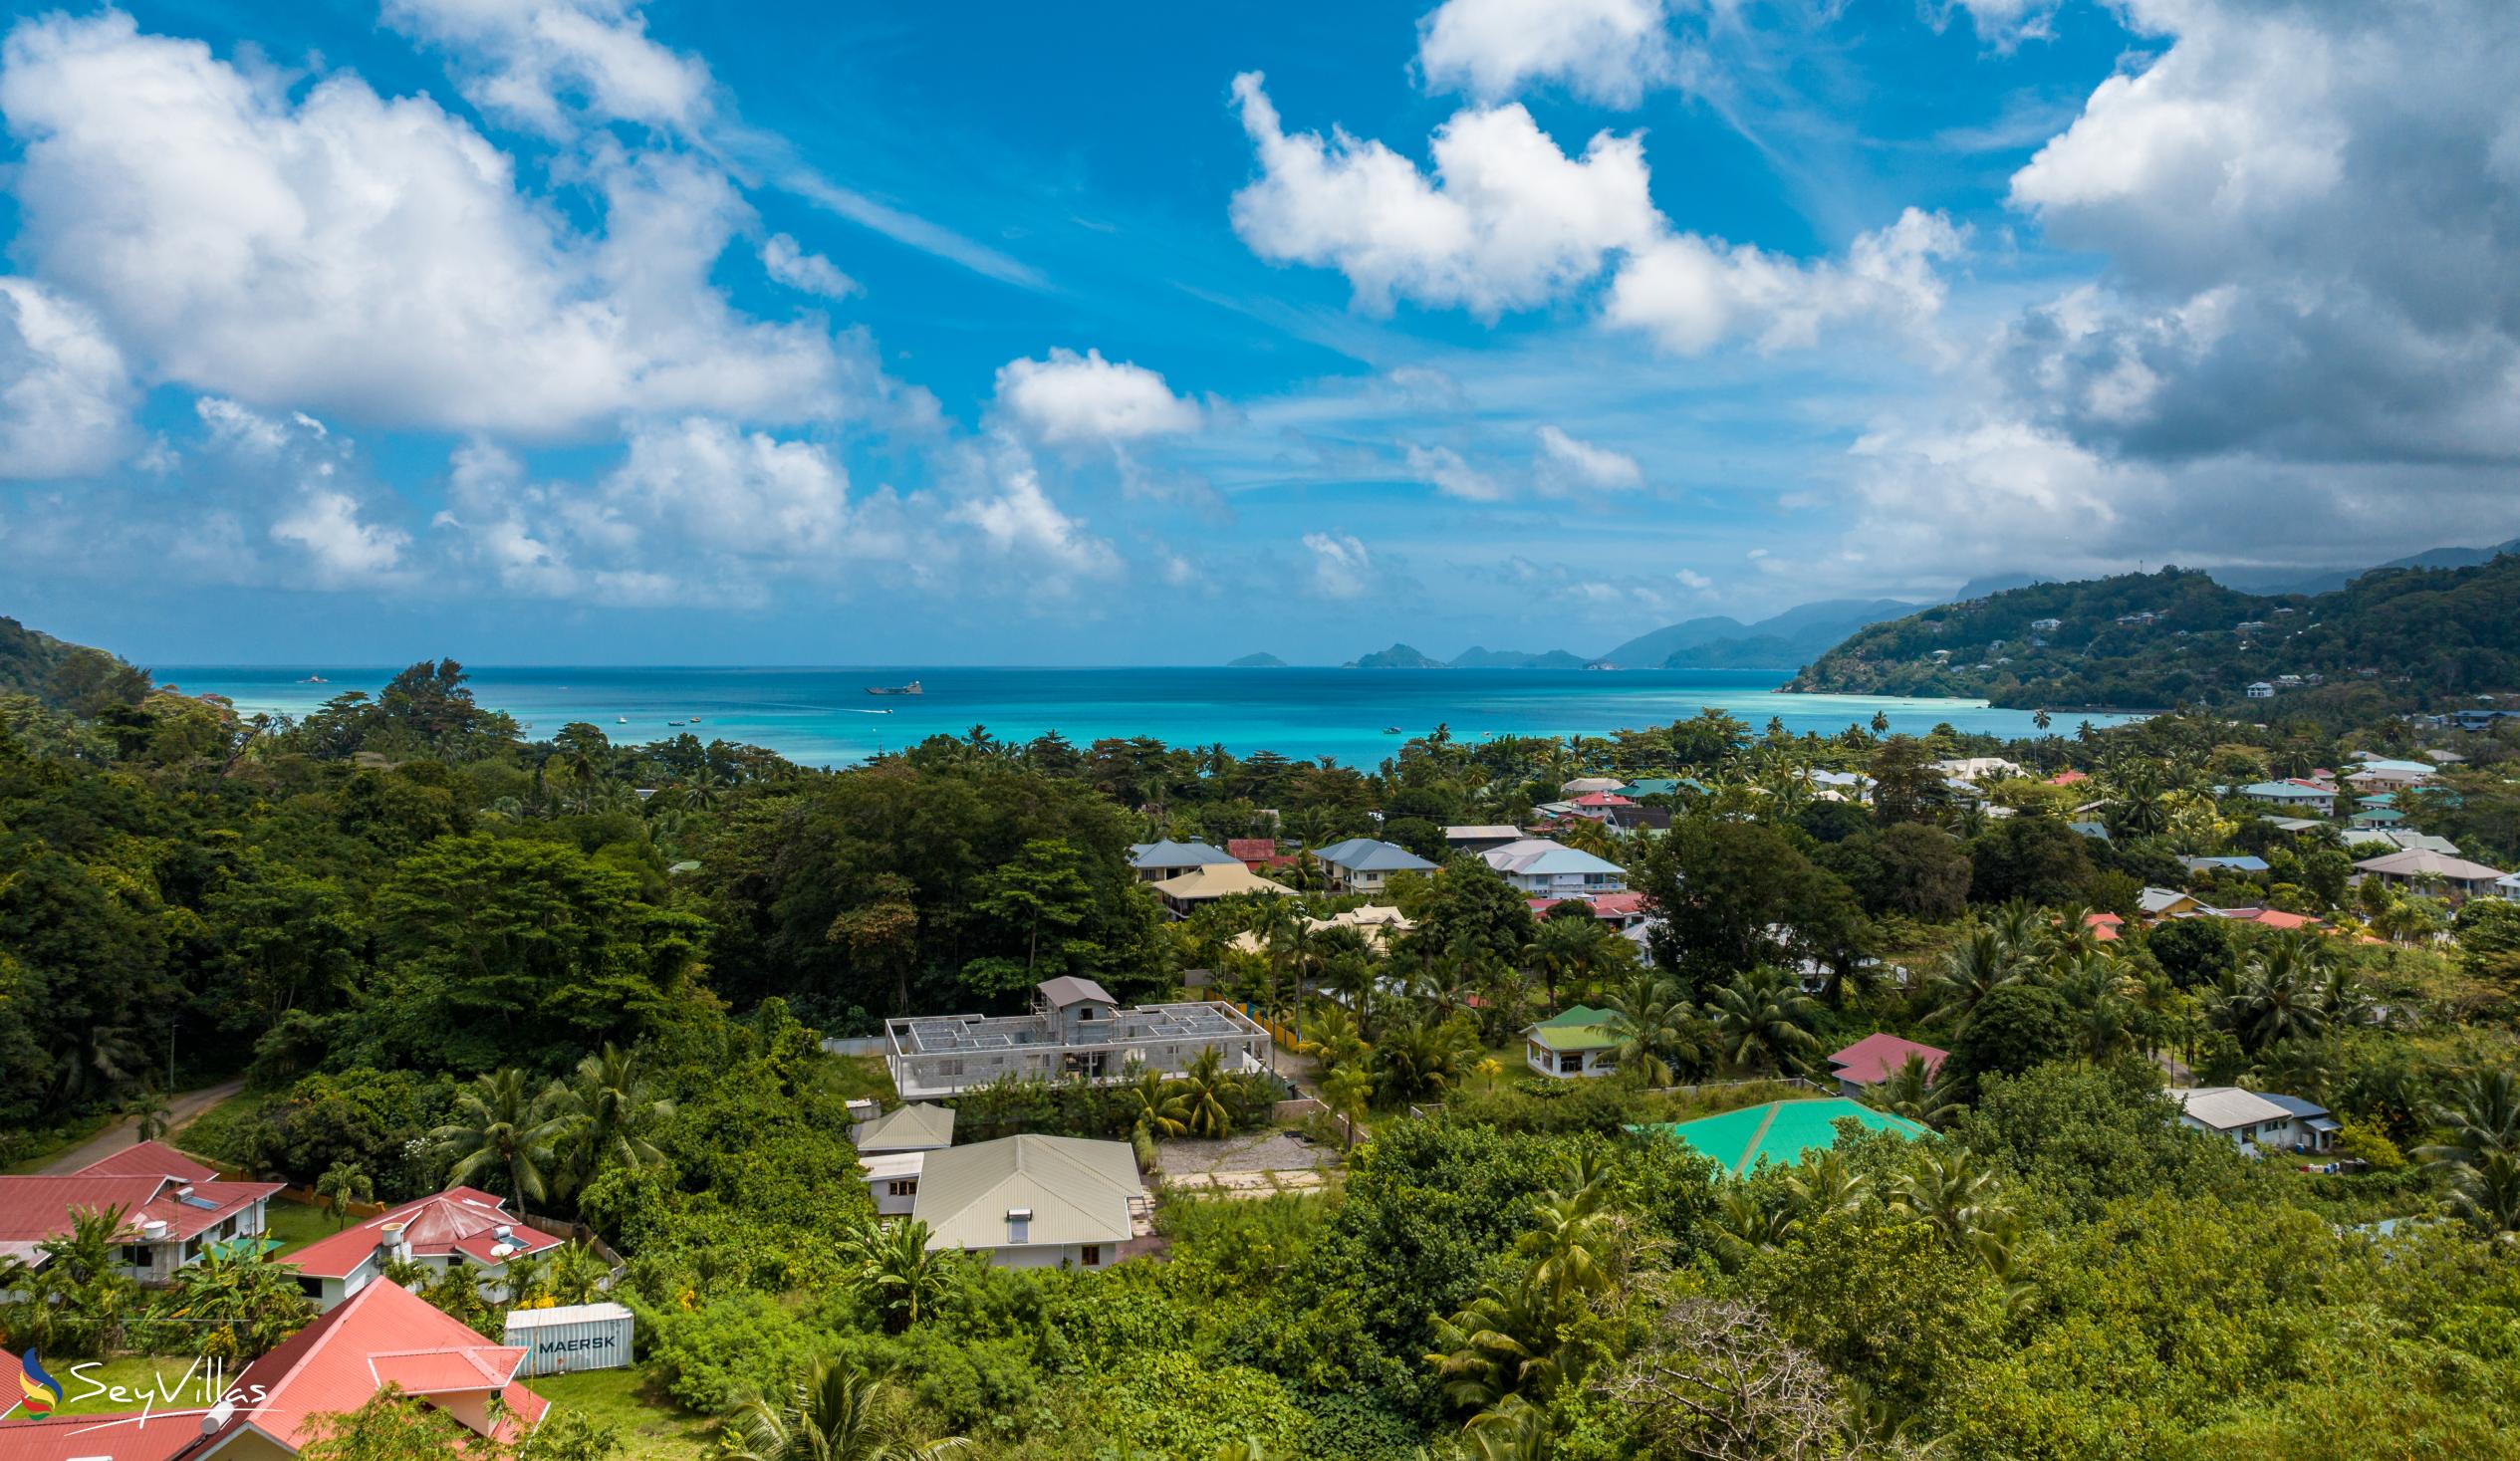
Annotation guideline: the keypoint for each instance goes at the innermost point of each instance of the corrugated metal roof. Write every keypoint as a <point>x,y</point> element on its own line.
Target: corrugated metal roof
<point>918,1126</point>
<point>1076,1190</point>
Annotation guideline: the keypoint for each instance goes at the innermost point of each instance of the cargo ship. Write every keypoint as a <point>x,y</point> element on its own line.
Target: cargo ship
<point>909,689</point>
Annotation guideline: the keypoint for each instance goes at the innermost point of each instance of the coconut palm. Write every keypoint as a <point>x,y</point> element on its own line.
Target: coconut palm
<point>2276,994</point>
<point>1347,1090</point>
<point>1511,1339</point>
<point>1421,1058</point>
<point>1948,1187</point>
<point>897,1270</point>
<point>1337,1040</point>
<point>236,1304</point>
<point>342,1183</point>
<point>501,1128</point>
<point>1155,1106</point>
<point>1763,1020</point>
<point>2486,1193</point>
<point>1659,1034</point>
<point>1826,1185</point>
<point>1203,1088</point>
<point>579,1274</point>
<point>1909,1090</point>
<point>609,1115</point>
<point>832,1412</point>
<point>2480,1117</point>
<point>1978,965</point>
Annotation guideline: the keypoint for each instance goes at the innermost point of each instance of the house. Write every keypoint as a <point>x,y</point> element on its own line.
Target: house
<point>2379,773</point>
<point>1583,784</point>
<point>1361,864</point>
<point>2261,690</point>
<point>2156,904</point>
<point>2098,831</point>
<point>2280,1122</point>
<point>2104,927</point>
<point>1782,1131</point>
<point>2067,778</point>
<point>2047,625</point>
<point>1621,911</point>
<point>1155,861</point>
<point>175,1208</point>
<point>2455,876</point>
<point>1977,768</point>
<point>1875,1058</point>
<point>1660,786</point>
<point>1539,867</point>
<point>1608,808</point>
<point>1574,1044</point>
<point>458,1225</point>
<point>1033,1201</point>
<point>1374,923</point>
<point>2398,840</point>
<point>1842,785</point>
<point>2293,796</point>
<point>1476,839</point>
<point>2375,819</point>
<point>892,1152</point>
<point>1212,880</point>
<point>2224,865</point>
<point>1074,1032</point>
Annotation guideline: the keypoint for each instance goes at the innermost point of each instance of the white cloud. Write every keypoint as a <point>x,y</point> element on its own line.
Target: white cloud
<point>1073,398</point>
<point>65,396</point>
<point>2001,23</point>
<point>1694,581</point>
<point>1571,463</point>
<point>1019,521</point>
<point>371,256</point>
<point>1608,50</point>
<point>2308,220</point>
<point>792,266</point>
<point>700,481</point>
<point>531,62</point>
<point>233,425</point>
<point>1506,222</point>
<point>1691,294</point>
<point>1341,569</point>
<point>344,551</point>
<point>1444,469</point>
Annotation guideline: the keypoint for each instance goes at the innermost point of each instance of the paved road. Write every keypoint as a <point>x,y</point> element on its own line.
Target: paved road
<point>181,1108</point>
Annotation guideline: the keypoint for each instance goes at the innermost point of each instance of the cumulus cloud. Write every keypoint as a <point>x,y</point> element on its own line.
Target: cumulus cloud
<point>371,256</point>
<point>1690,294</point>
<point>1567,462</point>
<point>1018,521</point>
<point>1611,51</point>
<point>1073,398</point>
<point>1444,469</point>
<point>65,395</point>
<point>343,549</point>
<point>1341,569</point>
<point>1507,221</point>
<point>531,63</point>
<point>785,261</point>
<point>2310,214</point>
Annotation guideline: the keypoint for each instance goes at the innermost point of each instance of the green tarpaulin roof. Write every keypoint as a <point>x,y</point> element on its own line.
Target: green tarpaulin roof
<point>1781,1131</point>
<point>1580,1027</point>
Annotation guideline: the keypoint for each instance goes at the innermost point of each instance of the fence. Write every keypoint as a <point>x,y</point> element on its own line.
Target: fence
<point>859,1045</point>
<point>306,1197</point>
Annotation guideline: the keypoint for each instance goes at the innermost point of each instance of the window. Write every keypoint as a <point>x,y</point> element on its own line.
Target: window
<point>907,1187</point>
<point>1019,1225</point>
<point>1093,1255</point>
<point>135,1255</point>
<point>1571,1065</point>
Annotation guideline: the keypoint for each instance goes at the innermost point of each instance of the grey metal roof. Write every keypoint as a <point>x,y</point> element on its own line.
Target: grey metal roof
<point>1541,858</point>
<point>2296,1104</point>
<point>1179,854</point>
<point>1076,1190</point>
<point>917,1127</point>
<point>1068,990</point>
<point>1365,855</point>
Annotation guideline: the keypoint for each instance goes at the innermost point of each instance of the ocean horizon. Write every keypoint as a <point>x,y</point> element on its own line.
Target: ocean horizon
<point>822,715</point>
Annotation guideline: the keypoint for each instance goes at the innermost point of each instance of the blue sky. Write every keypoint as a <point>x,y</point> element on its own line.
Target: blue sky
<point>556,330</point>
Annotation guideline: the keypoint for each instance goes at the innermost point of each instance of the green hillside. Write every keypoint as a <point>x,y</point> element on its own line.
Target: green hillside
<point>62,675</point>
<point>2404,637</point>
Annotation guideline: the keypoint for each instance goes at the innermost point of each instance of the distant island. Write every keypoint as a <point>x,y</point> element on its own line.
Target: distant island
<point>1256,661</point>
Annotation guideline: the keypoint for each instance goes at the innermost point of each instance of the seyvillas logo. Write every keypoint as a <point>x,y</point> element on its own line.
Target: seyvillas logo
<point>42,1392</point>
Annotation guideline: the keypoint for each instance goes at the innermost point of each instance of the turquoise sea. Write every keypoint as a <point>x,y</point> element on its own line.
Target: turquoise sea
<point>824,717</point>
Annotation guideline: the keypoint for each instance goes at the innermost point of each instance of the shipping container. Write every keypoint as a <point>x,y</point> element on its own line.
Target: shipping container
<point>571,1339</point>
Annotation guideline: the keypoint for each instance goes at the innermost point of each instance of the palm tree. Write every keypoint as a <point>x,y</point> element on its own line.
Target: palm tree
<point>1659,1034</point>
<point>834,1411</point>
<point>345,1182</point>
<point>1159,1109</point>
<point>897,1271</point>
<point>2276,994</point>
<point>1421,1059</point>
<point>1763,1020</point>
<point>2487,1194</point>
<point>151,1117</point>
<point>1568,1244</point>
<point>609,1115</point>
<point>579,1274</point>
<point>1978,965</point>
<point>1825,1185</point>
<point>501,1126</point>
<point>1950,1188</point>
<point>1202,1093</point>
<point>2482,1116</point>
<point>237,1305</point>
<point>1909,1090</point>
<point>1346,1091</point>
<point>1511,1339</point>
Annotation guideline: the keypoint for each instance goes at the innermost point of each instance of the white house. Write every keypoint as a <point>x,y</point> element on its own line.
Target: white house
<point>1075,1032</point>
<point>1979,768</point>
<point>2313,1128</point>
<point>1541,868</point>
<point>1362,865</point>
<point>892,1152</point>
<point>174,1209</point>
<point>2244,1116</point>
<point>1033,1201</point>
<point>436,1232</point>
<point>1155,861</point>
<point>2293,796</point>
<point>1574,1044</point>
<point>2261,690</point>
<point>2455,876</point>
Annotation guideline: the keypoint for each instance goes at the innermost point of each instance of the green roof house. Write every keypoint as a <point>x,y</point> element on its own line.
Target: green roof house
<point>1781,1131</point>
<point>1574,1044</point>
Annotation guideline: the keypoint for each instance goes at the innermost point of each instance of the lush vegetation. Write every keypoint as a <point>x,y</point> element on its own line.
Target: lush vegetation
<point>2393,638</point>
<point>594,979</point>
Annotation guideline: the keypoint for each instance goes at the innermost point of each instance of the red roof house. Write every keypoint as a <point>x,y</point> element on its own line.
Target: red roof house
<point>2067,778</point>
<point>1872,1060</point>
<point>1259,853</point>
<point>435,1231</point>
<point>2104,926</point>
<point>173,1207</point>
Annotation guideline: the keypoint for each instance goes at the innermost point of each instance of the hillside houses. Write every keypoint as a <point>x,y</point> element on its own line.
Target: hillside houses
<point>1075,1031</point>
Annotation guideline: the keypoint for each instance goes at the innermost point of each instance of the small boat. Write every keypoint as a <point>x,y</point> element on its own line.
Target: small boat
<point>1393,730</point>
<point>620,720</point>
<point>913,688</point>
<point>315,679</point>
<point>674,722</point>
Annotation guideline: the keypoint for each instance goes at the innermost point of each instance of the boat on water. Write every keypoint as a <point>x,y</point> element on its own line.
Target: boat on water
<point>620,720</point>
<point>315,679</point>
<point>1393,730</point>
<point>913,688</point>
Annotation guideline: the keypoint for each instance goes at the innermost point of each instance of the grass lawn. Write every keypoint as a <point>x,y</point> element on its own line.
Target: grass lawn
<point>652,1428</point>
<point>296,1225</point>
